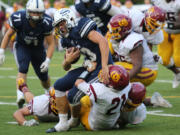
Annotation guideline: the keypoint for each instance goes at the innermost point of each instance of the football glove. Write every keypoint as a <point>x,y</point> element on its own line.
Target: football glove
<point>30,123</point>
<point>44,66</point>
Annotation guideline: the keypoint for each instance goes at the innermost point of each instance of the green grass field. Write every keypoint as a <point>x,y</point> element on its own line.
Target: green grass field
<point>166,122</point>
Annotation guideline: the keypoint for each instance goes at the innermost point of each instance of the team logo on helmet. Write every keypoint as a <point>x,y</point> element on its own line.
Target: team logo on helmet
<point>115,76</point>
<point>123,22</point>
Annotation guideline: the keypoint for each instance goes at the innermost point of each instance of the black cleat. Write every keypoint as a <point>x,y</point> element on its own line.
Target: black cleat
<point>51,130</point>
<point>20,103</point>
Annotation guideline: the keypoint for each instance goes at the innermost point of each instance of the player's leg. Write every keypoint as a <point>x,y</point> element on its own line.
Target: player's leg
<point>37,58</point>
<point>74,97</point>
<point>61,86</point>
<point>147,76</point>
<point>84,112</point>
<point>22,58</point>
<point>165,51</point>
<point>176,57</point>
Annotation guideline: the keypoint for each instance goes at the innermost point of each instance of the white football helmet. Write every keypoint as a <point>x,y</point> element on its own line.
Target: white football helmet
<point>67,15</point>
<point>35,6</point>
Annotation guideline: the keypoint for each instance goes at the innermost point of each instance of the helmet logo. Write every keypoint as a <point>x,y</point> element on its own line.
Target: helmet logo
<point>123,22</point>
<point>151,10</point>
<point>115,76</point>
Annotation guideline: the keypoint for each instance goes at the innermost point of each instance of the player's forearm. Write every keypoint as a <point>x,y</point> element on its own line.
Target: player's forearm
<point>50,50</point>
<point>18,115</point>
<point>135,70</point>
<point>5,41</point>
<point>104,48</point>
<point>66,65</point>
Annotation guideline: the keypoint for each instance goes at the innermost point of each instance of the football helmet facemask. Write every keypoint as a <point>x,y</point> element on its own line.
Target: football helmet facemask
<point>36,7</point>
<point>154,19</point>
<point>119,26</point>
<point>66,15</point>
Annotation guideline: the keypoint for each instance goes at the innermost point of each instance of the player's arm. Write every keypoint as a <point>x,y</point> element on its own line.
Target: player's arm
<point>51,45</point>
<point>136,57</point>
<point>7,37</point>
<point>70,56</point>
<point>115,11</point>
<point>20,114</point>
<point>97,38</point>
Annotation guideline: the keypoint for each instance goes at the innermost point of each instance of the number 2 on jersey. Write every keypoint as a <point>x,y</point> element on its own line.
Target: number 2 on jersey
<point>116,102</point>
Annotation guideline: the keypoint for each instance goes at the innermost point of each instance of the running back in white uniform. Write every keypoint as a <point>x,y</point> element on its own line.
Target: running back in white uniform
<point>124,47</point>
<point>172,11</point>
<point>106,104</point>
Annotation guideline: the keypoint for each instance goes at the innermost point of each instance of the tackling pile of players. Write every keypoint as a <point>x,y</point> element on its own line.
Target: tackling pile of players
<point>109,90</point>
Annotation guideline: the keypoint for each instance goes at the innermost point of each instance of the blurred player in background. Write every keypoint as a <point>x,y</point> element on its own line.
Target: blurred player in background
<point>31,26</point>
<point>134,54</point>
<point>42,106</point>
<point>169,49</point>
<point>99,11</point>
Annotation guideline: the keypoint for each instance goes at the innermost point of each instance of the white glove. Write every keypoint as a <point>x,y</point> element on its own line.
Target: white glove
<point>44,66</point>
<point>30,123</point>
<point>2,56</point>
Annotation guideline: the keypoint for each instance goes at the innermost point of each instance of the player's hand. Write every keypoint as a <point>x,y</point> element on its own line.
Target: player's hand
<point>105,74</point>
<point>72,54</point>
<point>30,123</point>
<point>44,66</point>
<point>2,56</point>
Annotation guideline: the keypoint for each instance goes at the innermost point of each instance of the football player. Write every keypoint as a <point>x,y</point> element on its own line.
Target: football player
<point>100,109</point>
<point>31,26</point>
<point>134,111</point>
<point>169,49</point>
<point>99,11</point>
<point>149,24</point>
<point>85,38</point>
<point>42,106</point>
<point>134,54</point>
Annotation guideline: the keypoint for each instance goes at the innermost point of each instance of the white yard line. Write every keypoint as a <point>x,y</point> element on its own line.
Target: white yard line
<point>160,113</point>
<point>6,68</point>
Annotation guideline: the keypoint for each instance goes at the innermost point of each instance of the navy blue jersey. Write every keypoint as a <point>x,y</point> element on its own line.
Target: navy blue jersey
<point>97,12</point>
<point>27,35</point>
<point>78,38</point>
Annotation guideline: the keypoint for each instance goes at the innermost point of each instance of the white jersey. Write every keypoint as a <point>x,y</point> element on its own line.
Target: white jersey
<point>135,117</point>
<point>172,18</point>
<point>137,18</point>
<point>39,106</point>
<point>124,47</point>
<point>106,104</point>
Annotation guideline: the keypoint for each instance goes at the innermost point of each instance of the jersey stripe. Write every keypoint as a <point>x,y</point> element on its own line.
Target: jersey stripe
<point>105,6</point>
<point>94,93</point>
<point>86,28</point>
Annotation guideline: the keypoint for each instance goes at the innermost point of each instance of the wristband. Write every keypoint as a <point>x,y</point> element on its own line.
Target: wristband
<point>84,75</point>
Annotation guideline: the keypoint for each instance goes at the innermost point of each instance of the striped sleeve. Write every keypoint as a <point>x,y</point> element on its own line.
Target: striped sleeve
<point>86,25</point>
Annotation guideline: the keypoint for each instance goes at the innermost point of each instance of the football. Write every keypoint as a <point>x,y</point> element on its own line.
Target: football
<point>69,50</point>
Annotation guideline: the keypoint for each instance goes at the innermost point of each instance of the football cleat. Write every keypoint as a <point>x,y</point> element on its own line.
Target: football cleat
<point>176,81</point>
<point>20,99</point>
<point>51,130</point>
<point>158,101</point>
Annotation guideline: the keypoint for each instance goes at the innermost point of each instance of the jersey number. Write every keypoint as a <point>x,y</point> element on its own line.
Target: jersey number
<point>116,102</point>
<point>170,17</point>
